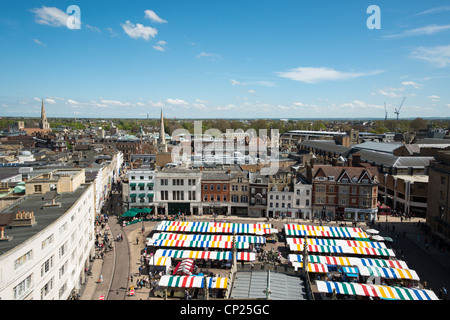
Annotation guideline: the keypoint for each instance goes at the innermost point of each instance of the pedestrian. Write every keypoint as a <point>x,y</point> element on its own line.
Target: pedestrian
<point>137,240</point>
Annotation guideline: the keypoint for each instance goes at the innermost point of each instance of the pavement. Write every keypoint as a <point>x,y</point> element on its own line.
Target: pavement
<point>430,262</point>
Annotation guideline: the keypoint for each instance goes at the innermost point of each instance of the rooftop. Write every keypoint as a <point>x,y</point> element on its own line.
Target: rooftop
<point>44,216</point>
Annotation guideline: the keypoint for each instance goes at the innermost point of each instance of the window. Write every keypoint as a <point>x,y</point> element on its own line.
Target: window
<point>224,197</point>
<point>46,289</point>
<point>320,188</point>
<point>218,187</point>
<point>218,197</point>
<point>205,187</point>
<point>37,188</point>
<point>212,187</point>
<point>212,197</point>
<point>442,180</point>
<point>224,187</point>
<point>307,202</point>
<point>46,266</point>
<point>244,199</point>
<point>22,288</point>
<point>234,198</point>
<point>205,197</point>
<point>23,259</point>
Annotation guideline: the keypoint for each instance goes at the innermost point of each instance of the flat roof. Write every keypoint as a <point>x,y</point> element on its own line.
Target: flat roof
<point>44,216</point>
<point>415,178</point>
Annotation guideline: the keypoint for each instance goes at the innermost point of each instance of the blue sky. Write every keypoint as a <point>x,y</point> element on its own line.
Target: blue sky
<point>230,59</point>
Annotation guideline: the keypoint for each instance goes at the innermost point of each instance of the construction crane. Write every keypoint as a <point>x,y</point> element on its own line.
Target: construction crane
<point>397,111</point>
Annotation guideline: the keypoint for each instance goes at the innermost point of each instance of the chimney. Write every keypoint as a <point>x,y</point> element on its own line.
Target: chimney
<point>356,160</point>
<point>2,235</point>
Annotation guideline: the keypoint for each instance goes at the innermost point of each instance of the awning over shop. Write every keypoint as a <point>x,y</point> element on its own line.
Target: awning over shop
<point>193,282</point>
<point>133,195</point>
<point>142,195</point>
<point>375,291</point>
<point>132,184</point>
<point>389,273</point>
<point>130,213</point>
<point>141,184</point>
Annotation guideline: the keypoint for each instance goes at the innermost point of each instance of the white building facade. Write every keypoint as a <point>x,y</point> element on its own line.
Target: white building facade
<point>178,190</point>
<point>302,200</point>
<point>141,188</point>
<point>50,263</point>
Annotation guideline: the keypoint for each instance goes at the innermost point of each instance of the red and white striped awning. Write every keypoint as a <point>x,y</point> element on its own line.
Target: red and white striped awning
<point>184,267</point>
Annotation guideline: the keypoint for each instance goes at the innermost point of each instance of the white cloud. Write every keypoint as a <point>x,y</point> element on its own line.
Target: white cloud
<point>434,98</point>
<point>93,28</point>
<point>427,30</point>
<point>51,101</point>
<point>391,92</point>
<point>138,30</point>
<point>114,103</point>
<point>212,56</point>
<point>315,75</point>
<point>176,101</point>
<point>251,91</point>
<point>439,55</point>
<point>237,83</point>
<point>412,83</point>
<point>434,10</point>
<point>39,42</point>
<point>70,101</point>
<point>160,45</point>
<point>153,16</point>
<point>50,16</point>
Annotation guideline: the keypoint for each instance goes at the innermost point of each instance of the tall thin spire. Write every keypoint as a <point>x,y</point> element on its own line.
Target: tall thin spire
<point>44,123</point>
<point>162,146</point>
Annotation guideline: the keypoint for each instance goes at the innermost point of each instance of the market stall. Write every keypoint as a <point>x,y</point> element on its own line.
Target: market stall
<point>374,291</point>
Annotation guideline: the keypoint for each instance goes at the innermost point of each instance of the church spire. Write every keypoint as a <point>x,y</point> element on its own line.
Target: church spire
<point>162,146</point>
<point>44,123</point>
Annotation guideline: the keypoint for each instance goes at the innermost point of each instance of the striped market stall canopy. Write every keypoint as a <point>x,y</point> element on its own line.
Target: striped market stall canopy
<point>205,255</point>
<point>351,261</point>
<point>312,267</point>
<point>343,250</point>
<point>293,229</point>
<point>200,244</point>
<point>389,273</point>
<point>207,237</point>
<point>375,291</point>
<point>337,242</point>
<point>365,262</point>
<point>193,282</point>
<point>216,227</point>
<point>159,261</point>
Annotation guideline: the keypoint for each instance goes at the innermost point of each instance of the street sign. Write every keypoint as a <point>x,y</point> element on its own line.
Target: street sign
<point>102,297</point>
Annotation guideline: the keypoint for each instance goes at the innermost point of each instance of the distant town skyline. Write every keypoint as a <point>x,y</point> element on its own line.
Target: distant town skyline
<point>231,59</point>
